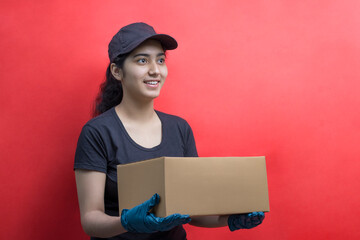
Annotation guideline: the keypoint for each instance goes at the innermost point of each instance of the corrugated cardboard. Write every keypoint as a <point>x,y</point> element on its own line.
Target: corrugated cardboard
<point>196,186</point>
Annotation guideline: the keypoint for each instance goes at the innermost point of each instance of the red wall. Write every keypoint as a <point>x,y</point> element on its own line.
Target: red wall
<point>274,78</point>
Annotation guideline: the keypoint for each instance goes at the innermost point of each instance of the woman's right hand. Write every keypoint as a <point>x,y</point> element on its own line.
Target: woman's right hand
<point>140,220</point>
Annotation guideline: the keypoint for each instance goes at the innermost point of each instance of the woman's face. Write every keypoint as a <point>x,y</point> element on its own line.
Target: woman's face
<point>144,71</point>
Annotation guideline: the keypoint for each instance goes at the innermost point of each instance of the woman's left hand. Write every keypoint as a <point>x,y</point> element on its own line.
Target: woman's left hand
<point>245,221</point>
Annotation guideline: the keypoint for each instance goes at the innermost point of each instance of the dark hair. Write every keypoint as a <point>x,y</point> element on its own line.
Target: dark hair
<point>111,91</point>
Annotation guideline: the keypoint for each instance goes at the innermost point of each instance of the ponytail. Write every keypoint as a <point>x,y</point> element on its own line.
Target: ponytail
<point>111,91</point>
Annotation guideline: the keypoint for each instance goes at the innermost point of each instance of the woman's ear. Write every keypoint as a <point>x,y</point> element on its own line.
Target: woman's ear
<point>116,72</point>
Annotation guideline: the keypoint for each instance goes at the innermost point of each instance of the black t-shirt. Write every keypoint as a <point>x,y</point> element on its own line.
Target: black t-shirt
<point>104,143</point>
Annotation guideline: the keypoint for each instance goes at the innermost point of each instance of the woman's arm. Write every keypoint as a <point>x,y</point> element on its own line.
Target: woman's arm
<point>210,221</point>
<point>90,188</point>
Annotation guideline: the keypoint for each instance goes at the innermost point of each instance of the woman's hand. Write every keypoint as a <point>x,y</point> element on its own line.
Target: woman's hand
<point>139,219</point>
<point>245,221</point>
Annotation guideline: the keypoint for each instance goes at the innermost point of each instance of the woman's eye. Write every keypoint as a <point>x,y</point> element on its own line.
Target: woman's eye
<point>161,61</point>
<point>141,60</point>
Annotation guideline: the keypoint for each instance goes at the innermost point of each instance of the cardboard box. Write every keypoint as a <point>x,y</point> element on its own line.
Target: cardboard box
<point>196,186</point>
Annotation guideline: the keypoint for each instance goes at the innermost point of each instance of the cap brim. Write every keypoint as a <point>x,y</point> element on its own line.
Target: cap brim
<point>168,42</point>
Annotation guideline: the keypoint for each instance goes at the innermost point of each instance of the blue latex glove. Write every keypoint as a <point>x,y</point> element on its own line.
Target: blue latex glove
<point>245,221</point>
<point>140,220</point>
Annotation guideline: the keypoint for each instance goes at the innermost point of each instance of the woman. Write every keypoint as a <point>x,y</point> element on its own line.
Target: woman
<point>128,129</point>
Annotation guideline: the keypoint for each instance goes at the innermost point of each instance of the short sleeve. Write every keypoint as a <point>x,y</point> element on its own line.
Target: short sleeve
<point>90,151</point>
<point>190,146</point>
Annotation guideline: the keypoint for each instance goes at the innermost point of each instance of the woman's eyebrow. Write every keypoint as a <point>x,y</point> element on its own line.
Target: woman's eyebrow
<point>148,55</point>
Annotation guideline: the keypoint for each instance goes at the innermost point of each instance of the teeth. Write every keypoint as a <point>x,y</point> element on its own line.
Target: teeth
<point>152,82</point>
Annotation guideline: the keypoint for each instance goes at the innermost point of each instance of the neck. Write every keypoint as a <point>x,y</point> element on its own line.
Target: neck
<point>136,111</point>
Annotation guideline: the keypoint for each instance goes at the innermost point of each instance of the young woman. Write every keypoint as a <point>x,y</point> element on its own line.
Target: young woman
<point>128,129</point>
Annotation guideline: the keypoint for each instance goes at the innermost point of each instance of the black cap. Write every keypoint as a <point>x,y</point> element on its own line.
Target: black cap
<point>132,35</point>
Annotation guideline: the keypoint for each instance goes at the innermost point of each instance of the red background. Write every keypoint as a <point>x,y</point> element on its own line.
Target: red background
<point>274,78</point>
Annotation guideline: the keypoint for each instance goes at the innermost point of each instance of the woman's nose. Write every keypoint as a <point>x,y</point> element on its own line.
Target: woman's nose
<point>154,69</point>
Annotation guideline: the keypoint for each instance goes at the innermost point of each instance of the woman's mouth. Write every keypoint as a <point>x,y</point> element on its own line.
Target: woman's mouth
<point>152,83</point>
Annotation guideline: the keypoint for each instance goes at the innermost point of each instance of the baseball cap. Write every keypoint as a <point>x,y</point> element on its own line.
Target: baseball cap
<point>132,35</point>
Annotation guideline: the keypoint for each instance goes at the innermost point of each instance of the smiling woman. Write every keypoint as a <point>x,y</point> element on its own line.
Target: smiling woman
<point>128,129</point>
<point>143,74</point>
